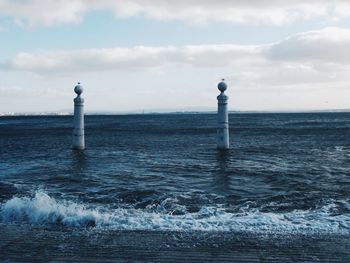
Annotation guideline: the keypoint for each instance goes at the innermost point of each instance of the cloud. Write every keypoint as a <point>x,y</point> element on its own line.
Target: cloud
<point>305,70</point>
<point>314,58</point>
<point>42,13</point>
<point>129,59</point>
<point>328,45</point>
<point>276,12</point>
<point>321,55</point>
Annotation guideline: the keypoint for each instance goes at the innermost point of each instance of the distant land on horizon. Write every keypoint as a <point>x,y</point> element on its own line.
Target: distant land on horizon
<point>165,111</point>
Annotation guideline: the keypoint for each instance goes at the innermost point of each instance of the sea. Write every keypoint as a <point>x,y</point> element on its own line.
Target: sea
<point>154,188</point>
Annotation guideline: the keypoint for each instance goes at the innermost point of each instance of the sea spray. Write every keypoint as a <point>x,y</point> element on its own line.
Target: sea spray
<point>45,210</point>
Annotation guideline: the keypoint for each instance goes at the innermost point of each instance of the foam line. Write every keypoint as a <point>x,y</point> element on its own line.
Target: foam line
<point>45,210</point>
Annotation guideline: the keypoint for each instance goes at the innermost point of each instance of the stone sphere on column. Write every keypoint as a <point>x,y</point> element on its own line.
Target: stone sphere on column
<point>78,89</point>
<point>222,86</point>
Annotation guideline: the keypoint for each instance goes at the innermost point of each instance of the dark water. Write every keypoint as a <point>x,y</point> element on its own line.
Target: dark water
<point>154,188</point>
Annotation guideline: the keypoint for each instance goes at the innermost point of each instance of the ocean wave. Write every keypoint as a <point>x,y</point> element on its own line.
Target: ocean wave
<point>43,210</point>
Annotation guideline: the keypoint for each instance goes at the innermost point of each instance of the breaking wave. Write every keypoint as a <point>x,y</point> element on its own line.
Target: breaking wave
<point>43,210</point>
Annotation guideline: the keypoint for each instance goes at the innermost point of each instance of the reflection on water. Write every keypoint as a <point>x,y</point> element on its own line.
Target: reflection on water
<point>221,176</point>
<point>79,161</point>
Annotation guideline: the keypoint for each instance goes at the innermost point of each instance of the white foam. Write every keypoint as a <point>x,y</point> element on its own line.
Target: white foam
<point>45,210</point>
<point>42,209</point>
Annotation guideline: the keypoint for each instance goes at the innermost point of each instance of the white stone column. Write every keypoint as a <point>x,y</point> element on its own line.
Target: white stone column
<point>78,132</point>
<point>223,142</point>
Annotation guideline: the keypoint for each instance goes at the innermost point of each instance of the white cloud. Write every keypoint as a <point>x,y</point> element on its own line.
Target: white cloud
<point>52,12</point>
<point>328,45</point>
<point>308,70</point>
<point>314,58</point>
<point>42,13</point>
<point>279,76</point>
<point>129,59</point>
<point>311,57</point>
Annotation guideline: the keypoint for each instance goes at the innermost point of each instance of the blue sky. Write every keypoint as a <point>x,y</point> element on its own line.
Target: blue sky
<point>136,55</point>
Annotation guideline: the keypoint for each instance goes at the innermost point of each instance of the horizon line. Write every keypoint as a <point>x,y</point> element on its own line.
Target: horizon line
<point>141,112</point>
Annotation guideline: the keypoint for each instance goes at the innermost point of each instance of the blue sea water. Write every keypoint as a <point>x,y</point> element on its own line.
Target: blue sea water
<point>159,180</point>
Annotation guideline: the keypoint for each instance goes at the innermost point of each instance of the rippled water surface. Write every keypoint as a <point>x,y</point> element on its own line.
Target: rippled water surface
<point>155,177</point>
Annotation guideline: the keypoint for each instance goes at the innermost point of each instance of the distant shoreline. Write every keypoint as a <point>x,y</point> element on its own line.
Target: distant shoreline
<point>32,114</point>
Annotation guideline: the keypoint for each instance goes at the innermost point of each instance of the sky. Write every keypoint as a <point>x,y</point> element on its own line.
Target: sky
<point>166,55</point>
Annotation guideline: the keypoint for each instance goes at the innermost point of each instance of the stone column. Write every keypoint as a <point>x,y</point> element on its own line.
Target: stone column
<point>223,142</point>
<point>78,132</point>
